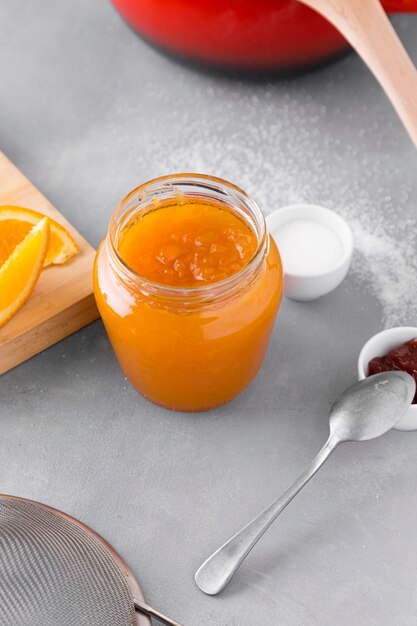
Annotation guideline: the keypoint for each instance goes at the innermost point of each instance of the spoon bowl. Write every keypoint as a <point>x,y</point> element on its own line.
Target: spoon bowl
<point>371,407</point>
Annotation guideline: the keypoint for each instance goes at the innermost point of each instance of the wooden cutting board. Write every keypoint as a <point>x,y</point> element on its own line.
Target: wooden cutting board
<point>62,301</point>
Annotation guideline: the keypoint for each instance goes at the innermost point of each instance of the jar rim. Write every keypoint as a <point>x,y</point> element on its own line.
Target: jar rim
<point>172,182</point>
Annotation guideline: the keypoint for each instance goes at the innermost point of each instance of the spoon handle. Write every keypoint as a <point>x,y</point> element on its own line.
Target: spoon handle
<point>214,574</point>
<point>141,607</point>
<point>366,26</point>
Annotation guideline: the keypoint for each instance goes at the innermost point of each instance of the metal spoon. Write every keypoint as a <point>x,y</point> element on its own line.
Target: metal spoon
<point>364,411</point>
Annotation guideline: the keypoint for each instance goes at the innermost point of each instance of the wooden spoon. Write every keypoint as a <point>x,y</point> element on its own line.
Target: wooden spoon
<point>366,26</point>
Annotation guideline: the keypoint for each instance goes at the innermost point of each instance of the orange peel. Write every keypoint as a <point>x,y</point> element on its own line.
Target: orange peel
<point>20,272</point>
<point>16,222</point>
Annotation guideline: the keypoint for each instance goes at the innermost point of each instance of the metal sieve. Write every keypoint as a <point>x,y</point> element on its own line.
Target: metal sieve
<point>54,571</point>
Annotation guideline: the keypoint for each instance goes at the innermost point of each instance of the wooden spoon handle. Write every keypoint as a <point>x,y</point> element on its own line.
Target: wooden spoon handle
<point>366,26</point>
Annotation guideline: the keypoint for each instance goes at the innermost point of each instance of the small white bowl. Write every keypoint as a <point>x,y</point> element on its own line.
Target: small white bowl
<point>380,345</point>
<point>310,286</point>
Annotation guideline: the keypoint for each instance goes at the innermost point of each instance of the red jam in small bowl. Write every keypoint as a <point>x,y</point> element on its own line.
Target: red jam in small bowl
<point>403,357</point>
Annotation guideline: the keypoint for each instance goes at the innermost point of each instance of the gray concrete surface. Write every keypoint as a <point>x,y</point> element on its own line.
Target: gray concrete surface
<point>88,111</point>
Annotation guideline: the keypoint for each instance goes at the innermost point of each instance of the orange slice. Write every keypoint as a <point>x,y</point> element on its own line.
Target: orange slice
<point>20,273</point>
<point>15,224</point>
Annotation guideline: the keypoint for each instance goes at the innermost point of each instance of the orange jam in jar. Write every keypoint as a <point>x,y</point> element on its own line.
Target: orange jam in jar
<point>188,283</point>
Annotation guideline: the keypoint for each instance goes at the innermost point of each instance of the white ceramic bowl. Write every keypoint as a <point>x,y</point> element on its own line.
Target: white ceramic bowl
<point>380,345</point>
<point>310,286</point>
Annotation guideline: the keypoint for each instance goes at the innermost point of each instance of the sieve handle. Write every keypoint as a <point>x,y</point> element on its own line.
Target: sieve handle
<point>150,612</point>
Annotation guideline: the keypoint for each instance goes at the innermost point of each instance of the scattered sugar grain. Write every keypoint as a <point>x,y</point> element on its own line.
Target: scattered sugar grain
<point>281,142</point>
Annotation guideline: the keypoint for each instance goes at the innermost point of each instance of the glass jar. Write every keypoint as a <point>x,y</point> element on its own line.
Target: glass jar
<point>196,348</point>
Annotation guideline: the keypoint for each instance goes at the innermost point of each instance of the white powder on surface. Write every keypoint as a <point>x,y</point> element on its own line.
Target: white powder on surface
<point>307,247</point>
<point>387,265</point>
<point>276,173</point>
<point>329,138</point>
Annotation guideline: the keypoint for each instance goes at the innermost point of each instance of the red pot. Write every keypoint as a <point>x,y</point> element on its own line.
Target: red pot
<point>242,35</point>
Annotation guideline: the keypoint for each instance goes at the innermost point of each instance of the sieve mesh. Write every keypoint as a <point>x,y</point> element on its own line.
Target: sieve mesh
<point>56,573</point>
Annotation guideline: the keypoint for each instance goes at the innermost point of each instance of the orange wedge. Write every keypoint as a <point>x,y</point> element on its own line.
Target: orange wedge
<point>20,273</point>
<point>15,224</point>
